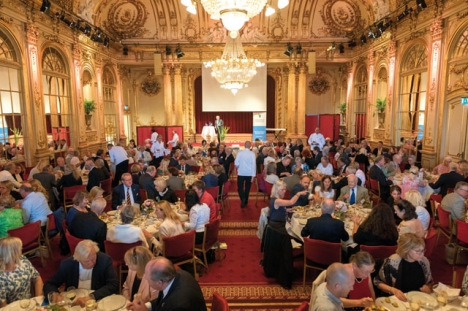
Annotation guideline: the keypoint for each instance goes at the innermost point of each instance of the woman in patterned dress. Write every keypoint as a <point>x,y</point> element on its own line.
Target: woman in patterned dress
<point>16,273</point>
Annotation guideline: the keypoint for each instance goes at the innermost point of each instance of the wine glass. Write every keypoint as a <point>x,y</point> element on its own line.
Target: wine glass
<point>91,304</point>
<point>25,303</point>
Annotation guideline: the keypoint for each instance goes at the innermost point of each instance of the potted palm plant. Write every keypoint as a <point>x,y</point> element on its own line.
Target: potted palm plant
<point>380,106</point>
<point>342,108</point>
<point>223,132</point>
<point>89,107</point>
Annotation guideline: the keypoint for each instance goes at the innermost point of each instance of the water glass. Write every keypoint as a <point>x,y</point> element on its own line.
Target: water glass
<point>464,302</point>
<point>25,304</point>
<point>91,304</point>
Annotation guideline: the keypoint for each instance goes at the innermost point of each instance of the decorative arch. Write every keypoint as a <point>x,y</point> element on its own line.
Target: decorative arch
<point>457,59</point>
<point>358,111</point>
<point>54,60</point>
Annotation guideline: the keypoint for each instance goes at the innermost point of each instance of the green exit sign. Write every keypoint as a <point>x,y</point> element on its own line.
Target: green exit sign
<point>464,100</point>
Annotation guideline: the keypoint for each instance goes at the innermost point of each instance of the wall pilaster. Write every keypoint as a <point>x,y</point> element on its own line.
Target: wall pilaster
<point>178,116</point>
<point>301,100</point>
<point>390,110</point>
<point>167,94</point>
<point>370,94</point>
<point>291,103</point>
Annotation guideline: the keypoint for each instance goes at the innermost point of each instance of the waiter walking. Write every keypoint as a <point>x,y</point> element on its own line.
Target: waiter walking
<point>219,126</point>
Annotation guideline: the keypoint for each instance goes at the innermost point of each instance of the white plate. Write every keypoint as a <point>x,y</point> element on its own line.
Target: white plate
<point>112,213</point>
<point>423,297</point>
<point>381,302</point>
<point>112,303</point>
<point>79,292</point>
<point>15,305</point>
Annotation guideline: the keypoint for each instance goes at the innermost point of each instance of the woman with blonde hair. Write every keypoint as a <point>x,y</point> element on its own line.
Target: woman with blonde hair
<point>71,177</point>
<point>37,187</point>
<point>415,198</point>
<point>38,168</point>
<point>17,274</point>
<point>80,202</point>
<point>171,224</point>
<point>6,190</point>
<point>164,192</point>
<point>278,205</point>
<point>94,193</point>
<point>136,259</point>
<point>163,166</point>
<point>210,179</point>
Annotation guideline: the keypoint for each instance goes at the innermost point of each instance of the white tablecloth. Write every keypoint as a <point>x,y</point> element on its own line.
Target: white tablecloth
<point>208,130</point>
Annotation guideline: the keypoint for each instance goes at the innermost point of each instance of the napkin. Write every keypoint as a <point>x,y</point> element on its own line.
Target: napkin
<point>451,292</point>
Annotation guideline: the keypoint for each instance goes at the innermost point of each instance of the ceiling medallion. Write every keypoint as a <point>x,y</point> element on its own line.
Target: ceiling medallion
<point>150,86</point>
<point>341,16</point>
<point>319,84</point>
<point>126,18</point>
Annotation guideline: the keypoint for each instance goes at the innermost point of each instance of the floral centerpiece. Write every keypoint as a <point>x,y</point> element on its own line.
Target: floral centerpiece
<point>148,206</point>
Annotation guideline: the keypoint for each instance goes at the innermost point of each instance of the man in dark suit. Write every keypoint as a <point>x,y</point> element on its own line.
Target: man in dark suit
<point>283,168</point>
<point>178,290</point>
<point>89,226</point>
<point>261,158</point>
<point>380,150</point>
<point>325,227</point>
<point>343,182</point>
<point>95,175</point>
<point>376,173</point>
<point>183,167</point>
<point>445,181</point>
<point>125,192</point>
<point>47,179</point>
<point>103,280</point>
<point>147,182</point>
<point>317,155</point>
<point>303,184</point>
<point>99,155</point>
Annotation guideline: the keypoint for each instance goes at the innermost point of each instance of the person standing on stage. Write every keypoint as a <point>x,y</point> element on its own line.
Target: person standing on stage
<point>154,135</point>
<point>158,151</point>
<point>316,139</point>
<point>118,157</point>
<point>245,163</point>
<point>219,126</point>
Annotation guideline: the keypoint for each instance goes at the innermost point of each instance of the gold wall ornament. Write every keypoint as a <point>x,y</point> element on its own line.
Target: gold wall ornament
<point>37,97</point>
<point>278,29</point>
<point>190,32</point>
<point>152,120</point>
<point>150,86</point>
<point>319,84</point>
<point>126,19</point>
<point>40,140</point>
<point>341,17</point>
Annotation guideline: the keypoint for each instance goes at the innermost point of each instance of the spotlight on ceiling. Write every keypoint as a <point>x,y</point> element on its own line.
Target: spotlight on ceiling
<point>405,13</point>
<point>72,24</point>
<point>341,47</point>
<point>363,39</point>
<point>106,42</point>
<point>60,16</point>
<point>86,29</point>
<point>45,6</point>
<point>421,4</point>
<point>289,50</point>
<point>125,50</point>
<point>299,49</point>
<point>333,46</point>
<point>371,33</point>
<point>179,52</point>
<point>168,50</point>
<point>352,43</point>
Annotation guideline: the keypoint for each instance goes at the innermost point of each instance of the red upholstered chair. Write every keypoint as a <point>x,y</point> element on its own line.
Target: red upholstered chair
<point>219,303</point>
<point>210,239</point>
<point>303,307</point>
<point>374,186</point>
<point>72,241</point>
<point>268,188</point>
<point>450,190</point>
<point>117,252</point>
<point>445,224</point>
<point>402,166</point>
<point>214,191</point>
<point>30,236</point>
<point>195,168</point>
<point>261,188</point>
<point>64,225</point>
<point>319,255</point>
<point>430,241</point>
<point>69,193</point>
<point>51,231</point>
<point>362,167</point>
<point>379,252</point>
<point>225,194</point>
<point>180,249</point>
<point>106,185</point>
<point>180,194</point>
<point>108,207</point>
<point>375,199</point>
<point>434,199</point>
<point>143,195</point>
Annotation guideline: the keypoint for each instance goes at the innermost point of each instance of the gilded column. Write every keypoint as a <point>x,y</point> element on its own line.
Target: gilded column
<point>291,104</point>
<point>301,99</point>
<point>390,109</point>
<point>167,94</point>
<point>370,94</point>
<point>99,114</point>
<point>79,129</point>
<point>349,98</point>
<point>431,126</point>
<point>178,118</point>
<point>35,134</point>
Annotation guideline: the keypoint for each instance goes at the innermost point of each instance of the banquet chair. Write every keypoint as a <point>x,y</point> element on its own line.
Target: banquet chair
<point>303,307</point>
<point>143,195</point>
<point>445,224</point>
<point>225,194</point>
<point>106,185</point>
<point>50,232</point>
<point>210,239</point>
<point>379,252</point>
<point>180,249</point>
<point>108,207</point>
<point>214,191</point>
<point>30,236</point>
<point>362,167</point>
<point>72,241</point>
<point>219,303</point>
<point>402,166</point>
<point>180,194</point>
<point>319,255</point>
<point>68,194</point>
<point>260,181</point>
<point>268,188</point>
<point>458,273</point>
<point>450,190</point>
<point>462,237</point>
<point>195,168</point>
<point>117,252</point>
<point>430,241</point>
<point>374,186</point>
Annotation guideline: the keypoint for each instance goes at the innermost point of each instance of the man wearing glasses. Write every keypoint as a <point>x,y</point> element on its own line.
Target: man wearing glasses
<point>455,202</point>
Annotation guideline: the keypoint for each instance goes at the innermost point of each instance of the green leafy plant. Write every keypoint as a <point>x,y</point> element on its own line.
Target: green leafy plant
<point>342,108</point>
<point>380,105</point>
<point>16,133</point>
<point>223,132</point>
<point>89,106</point>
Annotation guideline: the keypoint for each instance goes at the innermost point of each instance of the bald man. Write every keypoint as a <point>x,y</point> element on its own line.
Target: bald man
<point>340,281</point>
<point>179,289</point>
<point>354,194</point>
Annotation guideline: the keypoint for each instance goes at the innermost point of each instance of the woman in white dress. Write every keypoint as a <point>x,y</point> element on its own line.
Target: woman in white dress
<point>325,167</point>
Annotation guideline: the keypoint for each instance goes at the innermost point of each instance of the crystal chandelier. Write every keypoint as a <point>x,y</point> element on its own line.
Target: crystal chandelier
<point>233,13</point>
<point>233,70</point>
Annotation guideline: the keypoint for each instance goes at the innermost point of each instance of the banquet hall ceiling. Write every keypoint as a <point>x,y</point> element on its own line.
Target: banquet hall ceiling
<point>149,22</point>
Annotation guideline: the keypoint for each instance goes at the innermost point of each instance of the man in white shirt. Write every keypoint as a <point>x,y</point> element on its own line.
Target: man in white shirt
<point>154,135</point>
<point>34,205</point>
<point>158,151</point>
<point>7,174</point>
<point>245,163</point>
<point>316,139</point>
<point>118,157</point>
<point>143,154</point>
<point>175,139</point>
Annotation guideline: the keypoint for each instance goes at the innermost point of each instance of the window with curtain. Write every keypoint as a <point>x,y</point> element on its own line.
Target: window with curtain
<point>11,93</point>
<point>413,92</point>
<point>359,102</point>
<point>56,88</point>
<point>110,105</point>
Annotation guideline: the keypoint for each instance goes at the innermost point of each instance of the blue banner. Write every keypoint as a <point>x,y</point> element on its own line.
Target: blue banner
<point>259,126</point>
